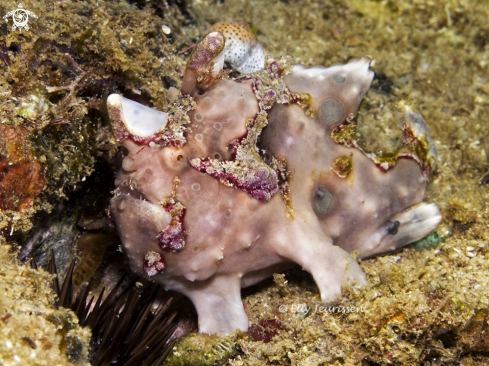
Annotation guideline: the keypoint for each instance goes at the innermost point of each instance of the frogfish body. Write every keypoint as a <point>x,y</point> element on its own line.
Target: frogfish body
<point>247,175</point>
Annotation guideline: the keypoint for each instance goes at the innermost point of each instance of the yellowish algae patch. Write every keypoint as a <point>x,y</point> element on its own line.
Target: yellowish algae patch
<point>32,330</point>
<point>203,349</point>
<point>342,166</point>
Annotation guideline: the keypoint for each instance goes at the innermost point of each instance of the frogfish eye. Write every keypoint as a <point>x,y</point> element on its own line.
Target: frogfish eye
<point>392,227</point>
<point>323,200</point>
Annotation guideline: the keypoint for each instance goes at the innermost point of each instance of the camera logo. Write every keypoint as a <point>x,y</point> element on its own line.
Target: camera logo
<point>20,17</point>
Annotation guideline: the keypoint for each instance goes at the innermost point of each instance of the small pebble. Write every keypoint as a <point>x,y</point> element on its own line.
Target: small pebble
<point>166,29</point>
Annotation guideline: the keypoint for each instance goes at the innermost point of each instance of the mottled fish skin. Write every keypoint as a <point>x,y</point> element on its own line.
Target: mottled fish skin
<point>262,172</point>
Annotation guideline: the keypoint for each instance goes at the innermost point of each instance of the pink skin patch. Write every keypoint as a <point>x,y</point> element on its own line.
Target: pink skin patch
<point>172,238</point>
<point>164,138</point>
<point>261,183</point>
<point>153,263</point>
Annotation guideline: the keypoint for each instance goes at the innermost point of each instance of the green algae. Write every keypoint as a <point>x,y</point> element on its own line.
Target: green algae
<point>430,242</point>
